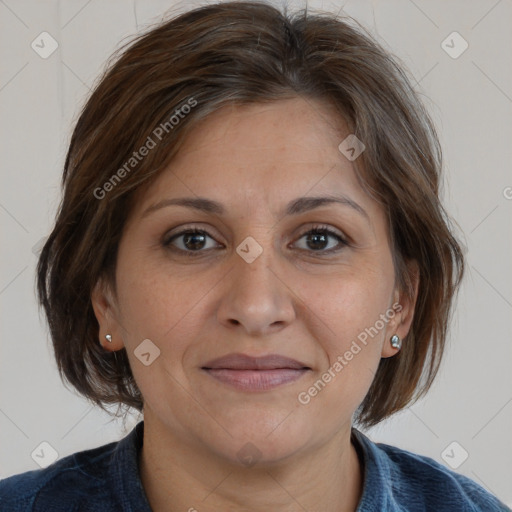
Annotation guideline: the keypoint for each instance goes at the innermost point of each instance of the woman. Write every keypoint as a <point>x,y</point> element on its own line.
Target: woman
<point>252,252</point>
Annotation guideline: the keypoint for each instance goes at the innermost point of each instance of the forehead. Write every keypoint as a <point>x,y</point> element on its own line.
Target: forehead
<point>261,155</point>
<point>293,130</point>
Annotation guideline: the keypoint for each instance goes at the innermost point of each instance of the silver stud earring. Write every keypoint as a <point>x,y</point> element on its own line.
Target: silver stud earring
<point>396,342</point>
<point>108,338</point>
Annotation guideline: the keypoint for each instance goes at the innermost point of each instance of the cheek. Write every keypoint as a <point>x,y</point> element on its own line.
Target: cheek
<point>349,328</point>
<point>160,303</point>
<point>161,306</point>
<point>349,303</point>
<point>151,300</point>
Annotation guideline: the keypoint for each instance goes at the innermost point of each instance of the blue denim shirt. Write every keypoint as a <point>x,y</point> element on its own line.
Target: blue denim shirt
<point>107,479</point>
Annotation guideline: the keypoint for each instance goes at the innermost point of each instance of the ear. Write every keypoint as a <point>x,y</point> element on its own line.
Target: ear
<point>404,305</point>
<point>105,310</point>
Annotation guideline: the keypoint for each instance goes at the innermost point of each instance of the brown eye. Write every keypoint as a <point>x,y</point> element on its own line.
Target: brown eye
<point>318,240</point>
<point>193,242</point>
<point>189,240</point>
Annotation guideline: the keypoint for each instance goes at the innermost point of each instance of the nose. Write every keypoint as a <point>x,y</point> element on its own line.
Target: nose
<point>256,296</point>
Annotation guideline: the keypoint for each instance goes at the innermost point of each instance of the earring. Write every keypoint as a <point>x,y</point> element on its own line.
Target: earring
<point>396,342</point>
<point>108,337</point>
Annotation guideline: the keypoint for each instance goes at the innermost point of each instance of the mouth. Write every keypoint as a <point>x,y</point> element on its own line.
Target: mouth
<point>247,373</point>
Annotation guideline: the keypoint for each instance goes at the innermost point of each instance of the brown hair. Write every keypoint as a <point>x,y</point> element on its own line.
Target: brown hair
<point>240,53</point>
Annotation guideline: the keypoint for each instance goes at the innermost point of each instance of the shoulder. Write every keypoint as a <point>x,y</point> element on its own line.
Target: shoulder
<point>68,482</point>
<point>439,485</point>
<point>411,482</point>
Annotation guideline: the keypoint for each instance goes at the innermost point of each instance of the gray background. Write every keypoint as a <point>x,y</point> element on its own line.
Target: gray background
<point>470,98</point>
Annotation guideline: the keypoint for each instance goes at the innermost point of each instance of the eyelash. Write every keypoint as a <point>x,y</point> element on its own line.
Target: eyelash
<point>320,229</point>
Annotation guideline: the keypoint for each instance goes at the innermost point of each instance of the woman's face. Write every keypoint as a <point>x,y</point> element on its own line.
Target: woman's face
<point>256,281</point>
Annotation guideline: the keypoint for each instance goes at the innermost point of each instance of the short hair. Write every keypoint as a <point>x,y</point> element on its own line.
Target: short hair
<point>242,53</point>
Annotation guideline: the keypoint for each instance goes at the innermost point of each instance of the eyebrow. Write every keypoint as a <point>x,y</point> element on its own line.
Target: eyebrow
<point>295,207</point>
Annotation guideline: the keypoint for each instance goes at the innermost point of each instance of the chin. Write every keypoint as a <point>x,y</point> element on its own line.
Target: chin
<point>263,439</point>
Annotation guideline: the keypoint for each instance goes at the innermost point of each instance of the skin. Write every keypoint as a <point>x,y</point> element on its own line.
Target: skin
<point>291,300</point>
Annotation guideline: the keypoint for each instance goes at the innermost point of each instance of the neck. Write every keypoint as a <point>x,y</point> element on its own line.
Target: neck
<point>180,475</point>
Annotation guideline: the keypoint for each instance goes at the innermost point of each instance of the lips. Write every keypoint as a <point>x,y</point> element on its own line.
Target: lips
<point>245,362</point>
<point>249,373</point>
